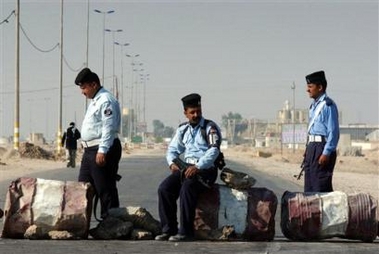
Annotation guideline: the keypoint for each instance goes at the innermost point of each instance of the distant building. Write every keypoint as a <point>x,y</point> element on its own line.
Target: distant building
<point>361,132</point>
<point>290,115</point>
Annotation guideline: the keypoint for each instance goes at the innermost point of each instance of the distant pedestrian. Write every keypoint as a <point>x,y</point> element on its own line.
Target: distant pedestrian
<point>70,137</point>
<point>198,140</point>
<point>102,147</point>
<point>323,135</point>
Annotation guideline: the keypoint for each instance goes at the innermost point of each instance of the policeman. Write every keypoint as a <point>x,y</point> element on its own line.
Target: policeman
<point>323,136</point>
<point>71,136</point>
<point>102,148</point>
<point>198,149</point>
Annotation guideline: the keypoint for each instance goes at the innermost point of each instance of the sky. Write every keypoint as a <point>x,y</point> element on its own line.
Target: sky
<point>240,56</point>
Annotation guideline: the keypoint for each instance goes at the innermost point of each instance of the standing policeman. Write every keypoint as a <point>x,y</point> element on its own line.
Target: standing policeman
<point>199,141</point>
<point>102,148</point>
<point>71,136</point>
<point>323,136</point>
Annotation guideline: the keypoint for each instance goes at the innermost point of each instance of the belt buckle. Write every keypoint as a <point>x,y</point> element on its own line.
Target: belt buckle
<point>191,160</point>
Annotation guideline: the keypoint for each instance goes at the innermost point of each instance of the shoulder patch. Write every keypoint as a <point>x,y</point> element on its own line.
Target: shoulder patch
<point>108,112</point>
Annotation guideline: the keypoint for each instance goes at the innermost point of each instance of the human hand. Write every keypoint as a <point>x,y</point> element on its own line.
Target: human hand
<point>191,171</point>
<point>100,159</point>
<point>174,167</point>
<point>323,160</point>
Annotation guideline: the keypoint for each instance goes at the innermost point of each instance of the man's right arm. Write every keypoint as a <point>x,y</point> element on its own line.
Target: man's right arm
<point>175,148</point>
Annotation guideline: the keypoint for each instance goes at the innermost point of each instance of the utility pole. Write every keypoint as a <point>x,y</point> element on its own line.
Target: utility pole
<point>293,87</point>
<point>59,134</point>
<point>16,136</point>
<point>87,49</point>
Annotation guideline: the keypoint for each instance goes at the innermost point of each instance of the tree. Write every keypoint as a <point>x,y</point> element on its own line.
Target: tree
<point>160,130</point>
<point>234,125</point>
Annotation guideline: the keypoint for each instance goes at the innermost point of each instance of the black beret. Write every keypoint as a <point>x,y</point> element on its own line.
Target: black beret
<point>86,75</point>
<point>317,77</point>
<point>72,124</point>
<point>191,100</point>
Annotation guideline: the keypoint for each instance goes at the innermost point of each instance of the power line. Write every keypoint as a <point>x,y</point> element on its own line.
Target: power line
<point>72,69</point>
<point>35,90</point>
<point>30,41</point>
<point>7,19</point>
<point>46,51</point>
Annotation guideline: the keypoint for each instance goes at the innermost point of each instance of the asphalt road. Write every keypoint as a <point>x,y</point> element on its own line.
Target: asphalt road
<point>141,176</point>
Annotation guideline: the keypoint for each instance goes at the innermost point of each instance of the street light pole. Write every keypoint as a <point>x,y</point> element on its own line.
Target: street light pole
<point>144,79</point>
<point>104,14</point>
<point>144,97</point>
<point>130,125</point>
<point>115,90</point>
<point>122,45</point>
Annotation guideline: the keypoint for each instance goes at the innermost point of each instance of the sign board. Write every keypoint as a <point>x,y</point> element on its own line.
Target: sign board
<point>289,133</point>
<point>141,127</point>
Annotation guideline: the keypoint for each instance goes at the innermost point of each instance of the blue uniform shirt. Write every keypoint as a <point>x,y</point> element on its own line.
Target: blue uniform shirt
<point>102,120</point>
<point>326,123</point>
<point>193,145</point>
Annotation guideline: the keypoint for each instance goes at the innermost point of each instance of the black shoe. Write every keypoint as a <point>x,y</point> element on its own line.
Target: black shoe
<point>180,238</point>
<point>162,237</point>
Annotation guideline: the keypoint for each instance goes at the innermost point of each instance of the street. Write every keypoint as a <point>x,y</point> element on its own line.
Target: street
<point>141,175</point>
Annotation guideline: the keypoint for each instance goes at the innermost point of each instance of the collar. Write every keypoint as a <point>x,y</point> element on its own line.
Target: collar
<point>97,94</point>
<point>321,98</point>
<point>200,124</point>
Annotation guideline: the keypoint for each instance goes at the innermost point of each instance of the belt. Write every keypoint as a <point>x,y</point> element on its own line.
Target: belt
<point>92,143</point>
<point>192,160</point>
<point>315,138</point>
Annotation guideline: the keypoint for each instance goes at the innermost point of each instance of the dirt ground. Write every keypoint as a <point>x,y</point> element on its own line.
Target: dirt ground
<point>352,174</point>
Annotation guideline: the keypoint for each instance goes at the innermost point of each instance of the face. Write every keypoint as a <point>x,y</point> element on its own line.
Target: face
<point>314,90</point>
<point>193,114</point>
<point>89,89</point>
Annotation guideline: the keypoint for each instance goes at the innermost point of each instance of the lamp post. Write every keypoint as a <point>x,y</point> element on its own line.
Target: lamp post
<point>130,125</point>
<point>122,45</point>
<point>113,31</point>
<point>293,87</point>
<point>144,78</point>
<point>104,14</point>
<point>138,92</point>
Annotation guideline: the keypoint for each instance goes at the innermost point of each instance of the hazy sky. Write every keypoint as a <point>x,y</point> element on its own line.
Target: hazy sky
<point>241,56</point>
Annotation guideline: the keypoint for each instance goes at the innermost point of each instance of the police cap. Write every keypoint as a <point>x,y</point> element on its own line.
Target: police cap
<point>191,100</point>
<point>317,77</point>
<point>86,75</point>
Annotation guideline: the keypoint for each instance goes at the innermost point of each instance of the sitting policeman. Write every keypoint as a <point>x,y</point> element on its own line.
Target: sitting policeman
<point>199,141</point>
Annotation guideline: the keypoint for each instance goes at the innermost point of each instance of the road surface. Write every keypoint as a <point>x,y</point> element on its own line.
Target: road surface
<point>141,175</point>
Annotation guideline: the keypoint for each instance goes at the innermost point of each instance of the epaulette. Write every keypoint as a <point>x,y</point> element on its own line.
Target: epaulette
<point>329,101</point>
<point>180,125</point>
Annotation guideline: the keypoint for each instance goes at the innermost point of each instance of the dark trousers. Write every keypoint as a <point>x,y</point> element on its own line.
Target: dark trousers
<point>188,191</point>
<point>317,178</point>
<point>102,178</point>
<point>71,157</point>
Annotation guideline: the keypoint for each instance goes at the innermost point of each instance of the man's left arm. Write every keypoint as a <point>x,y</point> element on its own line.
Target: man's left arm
<point>214,141</point>
<point>109,118</point>
<point>333,132</point>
